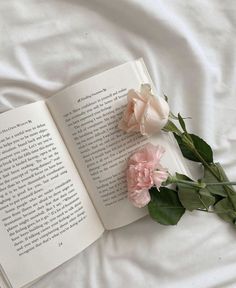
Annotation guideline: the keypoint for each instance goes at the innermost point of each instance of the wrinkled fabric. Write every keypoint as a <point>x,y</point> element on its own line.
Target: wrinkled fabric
<point>189,49</point>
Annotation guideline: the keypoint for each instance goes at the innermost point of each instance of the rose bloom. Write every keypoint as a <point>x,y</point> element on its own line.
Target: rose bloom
<point>144,170</point>
<point>144,112</point>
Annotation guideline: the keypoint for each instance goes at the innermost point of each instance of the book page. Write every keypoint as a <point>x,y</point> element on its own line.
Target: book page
<point>87,115</point>
<point>46,215</point>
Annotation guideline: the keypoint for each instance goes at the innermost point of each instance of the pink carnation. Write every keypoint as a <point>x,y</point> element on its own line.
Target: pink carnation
<point>144,171</point>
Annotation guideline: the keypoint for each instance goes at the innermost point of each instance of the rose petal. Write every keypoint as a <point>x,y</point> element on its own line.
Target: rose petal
<point>145,112</point>
<point>145,90</point>
<point>139,108</point>
<point>154,118</point>
<point>161,106</point>
<point>132,95</point>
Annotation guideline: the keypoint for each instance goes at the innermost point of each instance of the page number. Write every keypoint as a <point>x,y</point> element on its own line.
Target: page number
<point>60,244</point>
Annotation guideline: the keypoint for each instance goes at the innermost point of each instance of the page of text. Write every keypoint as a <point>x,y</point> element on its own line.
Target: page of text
<point>46,216</point>
<point>87,115</point>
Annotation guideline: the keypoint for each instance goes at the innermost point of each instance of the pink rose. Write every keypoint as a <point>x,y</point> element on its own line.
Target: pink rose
<point>144,112</point>
<point>144,170</point>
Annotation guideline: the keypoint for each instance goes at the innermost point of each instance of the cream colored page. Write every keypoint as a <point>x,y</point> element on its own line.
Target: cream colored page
<point>46,216</point>
<point>87,115</point>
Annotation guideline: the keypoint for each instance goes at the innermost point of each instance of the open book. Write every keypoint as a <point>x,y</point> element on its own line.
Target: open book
<point>62,173</point>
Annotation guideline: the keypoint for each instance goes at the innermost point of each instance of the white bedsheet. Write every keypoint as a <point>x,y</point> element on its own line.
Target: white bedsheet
<point>189,48</point>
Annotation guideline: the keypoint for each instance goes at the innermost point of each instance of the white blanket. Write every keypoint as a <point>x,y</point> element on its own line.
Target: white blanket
<point>189,48</point>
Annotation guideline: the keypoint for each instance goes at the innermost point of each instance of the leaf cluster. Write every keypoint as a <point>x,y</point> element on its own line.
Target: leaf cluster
<point>167,206</point>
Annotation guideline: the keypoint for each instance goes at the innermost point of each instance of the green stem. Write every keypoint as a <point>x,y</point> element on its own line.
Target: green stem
<point>175,180</point>
<point>206,165</point>
<point>202,160</point>
<point>171,127</point>
<point>192,147</point>
<point>221,183</point>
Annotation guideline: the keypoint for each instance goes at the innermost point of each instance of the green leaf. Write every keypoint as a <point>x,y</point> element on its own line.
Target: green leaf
<point>187,153</point>
<point>200,145</point>
<point>189,197</point>
<point>193,198</point>
<point>165,206</point>
<point>224,190</point>
<point>223,177</point>
<point>232,199</point>
<point>203,148</point>
<point>181,122</point>
<point>170,127</point>
<point>206,197</point>
<point>172,116</point>
<point>225,210</point>
<point>208,178</point>
<point>182,177</point>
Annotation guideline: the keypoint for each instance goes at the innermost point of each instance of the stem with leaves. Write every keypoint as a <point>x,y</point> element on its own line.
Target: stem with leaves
<point>213,193</point>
